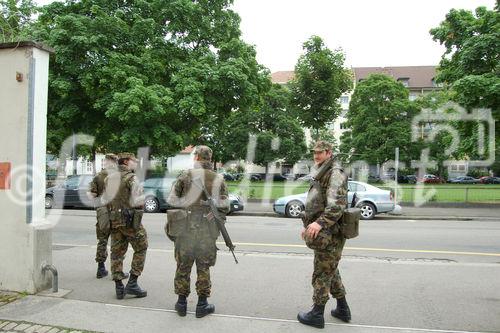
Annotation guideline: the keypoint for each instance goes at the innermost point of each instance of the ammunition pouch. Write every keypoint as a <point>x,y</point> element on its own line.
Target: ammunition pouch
<point>138,213</point>
<point>350,223</point>
<point>132,218</point>
<point>103,219</point>
<point>177,222</point>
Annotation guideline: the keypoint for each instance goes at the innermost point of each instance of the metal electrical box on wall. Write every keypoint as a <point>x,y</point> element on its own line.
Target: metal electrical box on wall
<point>4,176</point>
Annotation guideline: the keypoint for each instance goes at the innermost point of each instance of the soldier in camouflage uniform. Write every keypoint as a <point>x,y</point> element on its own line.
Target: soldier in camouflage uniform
<point>325,205</point>
<point>96,190</point>
<point>126,209</point>
<point>197,243</point>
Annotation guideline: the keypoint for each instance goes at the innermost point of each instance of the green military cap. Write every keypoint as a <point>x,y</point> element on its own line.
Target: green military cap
<point>127,156</point>
<point>321,146</point>
<point>111,157</point>
<point>204,152</point>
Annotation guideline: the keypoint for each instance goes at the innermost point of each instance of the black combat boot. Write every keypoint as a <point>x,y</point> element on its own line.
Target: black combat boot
<point>342,311</point>
<point>120,289</point>
<point>314,318</point>
<point>203,308</point>
<point>101,270</point>
<point>181,306</point>
<point>133,288</point>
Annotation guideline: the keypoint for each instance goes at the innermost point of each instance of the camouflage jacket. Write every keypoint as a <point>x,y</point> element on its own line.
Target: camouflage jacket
<point>122,191</point>
<point>185,194</point>
<point>97,184</point>
<point>326,201</point>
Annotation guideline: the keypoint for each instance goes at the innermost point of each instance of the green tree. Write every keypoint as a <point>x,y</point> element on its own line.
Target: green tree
<point>470,66</point>
<point>379,120</point>
<point>434,102</point>
<point>16,19</point>
<point>144,73</point>
<point>320,79</point>
<point>279,135</point>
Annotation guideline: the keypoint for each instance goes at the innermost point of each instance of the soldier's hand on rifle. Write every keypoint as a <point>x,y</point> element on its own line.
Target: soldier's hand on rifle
<point>313,229</point>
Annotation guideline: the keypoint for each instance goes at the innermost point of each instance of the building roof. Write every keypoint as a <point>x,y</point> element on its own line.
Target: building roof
<point>23,44</point>
<point>282,76</point>
<point>188,150</point>
<point>419,76</point>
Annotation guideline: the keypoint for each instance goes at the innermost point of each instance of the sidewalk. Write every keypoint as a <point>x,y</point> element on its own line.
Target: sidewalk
<point>25,327</point>
<point>264,293</point>
<point>112,318</point>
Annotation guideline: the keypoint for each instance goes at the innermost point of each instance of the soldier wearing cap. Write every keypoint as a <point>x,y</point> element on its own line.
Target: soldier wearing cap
<point>96,190</point>
<point>125,211</point>
<point>196,244</point>
<point>325,205</point>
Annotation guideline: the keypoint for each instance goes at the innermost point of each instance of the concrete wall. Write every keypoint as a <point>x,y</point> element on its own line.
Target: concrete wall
<point>25,241</point>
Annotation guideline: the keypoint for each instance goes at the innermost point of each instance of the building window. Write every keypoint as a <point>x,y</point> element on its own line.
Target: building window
<point>405,81</point>
<point>413,96</point>
<point>90,167</point>
<point>344,99</point>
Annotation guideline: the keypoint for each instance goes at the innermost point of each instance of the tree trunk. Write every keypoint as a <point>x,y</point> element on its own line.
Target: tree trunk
<point>93,157</point>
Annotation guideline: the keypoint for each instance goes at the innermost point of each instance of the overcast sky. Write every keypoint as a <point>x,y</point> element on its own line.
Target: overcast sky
<point>371,33</point>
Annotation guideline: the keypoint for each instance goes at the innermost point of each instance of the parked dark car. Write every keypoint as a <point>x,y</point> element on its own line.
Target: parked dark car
<point>71,193</point>
<point>464,180</point>
<point>254,176</point>
<point>402,179</point>
<point>374,179</point>
<point>229,177</point>
<point>489,180</point>
<point>275,177</point>
<point>411,179</point>
<point>157,191</point>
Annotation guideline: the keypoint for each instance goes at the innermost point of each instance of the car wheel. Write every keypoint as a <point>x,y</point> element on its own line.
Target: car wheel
<point>368,211</point>
<point>49,202</point>
<point>151,205</point>
<point>294,209</point>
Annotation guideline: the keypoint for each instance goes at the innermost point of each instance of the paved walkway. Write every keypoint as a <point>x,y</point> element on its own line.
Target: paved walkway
<point>21,326</point>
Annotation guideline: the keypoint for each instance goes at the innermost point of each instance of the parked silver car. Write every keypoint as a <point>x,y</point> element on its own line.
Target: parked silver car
<point>370,199</point>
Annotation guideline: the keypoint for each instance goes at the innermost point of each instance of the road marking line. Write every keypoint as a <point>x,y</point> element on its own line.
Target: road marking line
<point>346,248</point>
<point>373,249</point>
<point>394,328</point>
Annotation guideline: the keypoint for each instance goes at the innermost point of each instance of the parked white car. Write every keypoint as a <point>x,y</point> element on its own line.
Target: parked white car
<point>370,199</point>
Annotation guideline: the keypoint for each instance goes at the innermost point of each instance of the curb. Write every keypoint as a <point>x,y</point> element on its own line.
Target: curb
<point>384,217</point>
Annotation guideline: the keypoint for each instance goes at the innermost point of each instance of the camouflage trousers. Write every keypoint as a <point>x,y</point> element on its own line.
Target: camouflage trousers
<point>196,247</point>
<point>326,276</point>
<point>102,244</point>
<point>120,238</point>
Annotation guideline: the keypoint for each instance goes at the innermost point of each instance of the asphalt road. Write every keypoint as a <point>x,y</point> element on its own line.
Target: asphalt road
<point>460,241</point>
<point>403,275</point>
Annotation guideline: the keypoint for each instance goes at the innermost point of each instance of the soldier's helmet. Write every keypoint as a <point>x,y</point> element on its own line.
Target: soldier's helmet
<point>203,152</point>
<point>111,157</point>
<point>126,156</point>
<point>321,146</point>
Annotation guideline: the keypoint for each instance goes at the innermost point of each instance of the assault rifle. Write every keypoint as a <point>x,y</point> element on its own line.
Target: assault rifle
<point>218,219</point>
